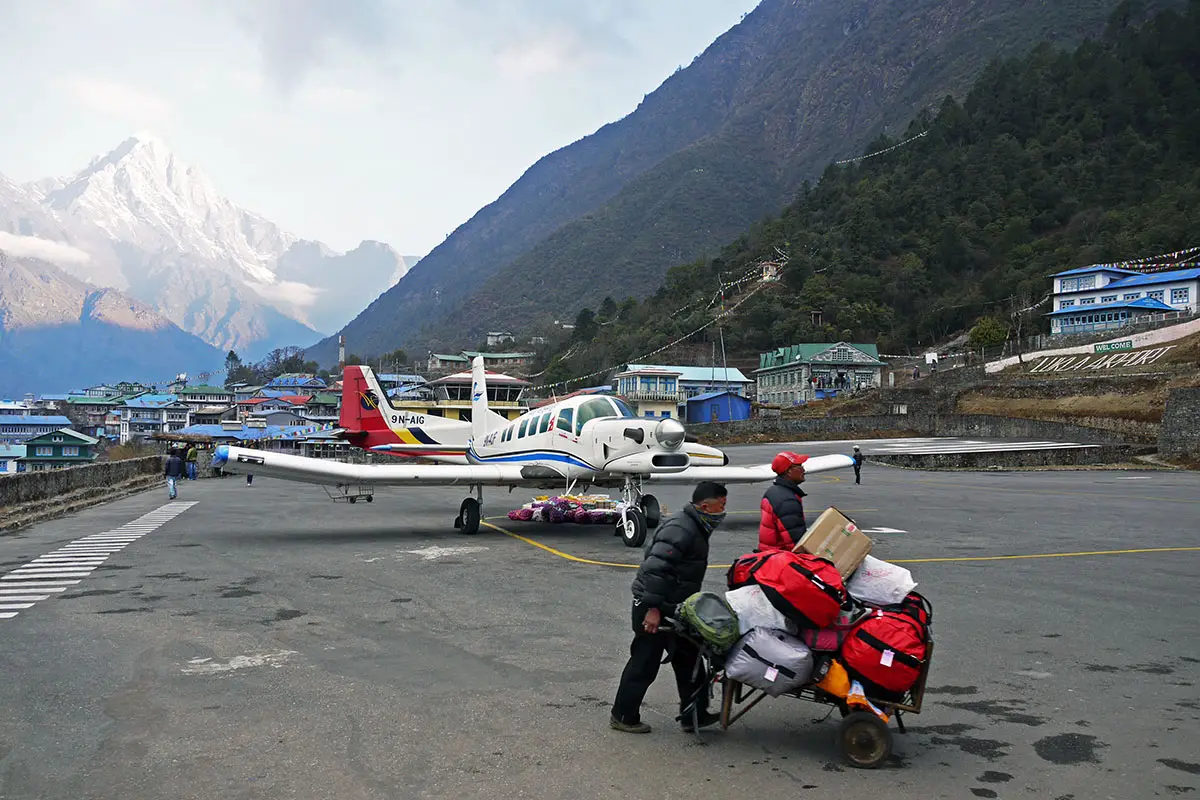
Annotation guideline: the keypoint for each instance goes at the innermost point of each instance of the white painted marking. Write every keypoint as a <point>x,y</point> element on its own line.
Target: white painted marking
<point>1133,479</point>
<point>1032,673</point>
<point>27,590</point>
<point>206,666</point>
<point>883,530</point>
<point>8,615</point>
<point>15,606</point>
<point>51,573</point>
<point>435,552</point>
<point>67,562</point>
<point>22,598</point>
<point>41,586</point>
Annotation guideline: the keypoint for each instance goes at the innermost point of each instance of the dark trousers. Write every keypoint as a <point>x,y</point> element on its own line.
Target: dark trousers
<point>857,473</point>
<point>645,656</point>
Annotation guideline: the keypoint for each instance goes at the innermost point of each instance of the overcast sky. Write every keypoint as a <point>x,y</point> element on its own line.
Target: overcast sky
<point>340,120</point>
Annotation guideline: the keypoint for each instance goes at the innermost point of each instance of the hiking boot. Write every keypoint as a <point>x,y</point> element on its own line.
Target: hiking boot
<point>628,727</point>
<point>707,718</point>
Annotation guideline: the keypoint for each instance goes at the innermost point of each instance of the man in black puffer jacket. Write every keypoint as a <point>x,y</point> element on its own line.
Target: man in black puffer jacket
<point>672,571</point>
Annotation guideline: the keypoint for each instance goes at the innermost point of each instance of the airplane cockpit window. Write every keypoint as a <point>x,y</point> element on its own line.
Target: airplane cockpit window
<point>625,410</point>
<point>595,408</point>
<point>564,419</point>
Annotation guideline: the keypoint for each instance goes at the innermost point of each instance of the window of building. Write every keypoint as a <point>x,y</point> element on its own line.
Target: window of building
<point>1180,296</point>
<point>1158,295</point>
<point>1087,301</point>
<point>44,451</point>
<point>1111,298</point>
<point>1065,303</point>
<point>70,451</point>
<point>1133,295</point>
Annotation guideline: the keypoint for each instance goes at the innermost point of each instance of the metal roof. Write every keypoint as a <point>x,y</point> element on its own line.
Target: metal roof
<point>1095,268</point>
<point>12,451</point>
<point>1146,279</point>
<point>1144,303</point>
<point>31,419</point>
<point>712,395</point>
<point>698,374</point>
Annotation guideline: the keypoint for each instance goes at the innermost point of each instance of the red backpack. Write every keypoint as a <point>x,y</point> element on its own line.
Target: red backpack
<point>805,589</point>
<point>887,649</point>
<point>739,571</point>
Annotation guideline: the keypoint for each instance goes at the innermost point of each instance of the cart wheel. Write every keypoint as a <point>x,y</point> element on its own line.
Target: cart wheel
<point>864,739</point>
<point>351,499</point>
<point>370,498</point>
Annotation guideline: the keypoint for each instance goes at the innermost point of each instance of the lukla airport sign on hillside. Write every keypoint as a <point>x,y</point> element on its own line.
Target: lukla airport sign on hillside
<point>1135,358</point>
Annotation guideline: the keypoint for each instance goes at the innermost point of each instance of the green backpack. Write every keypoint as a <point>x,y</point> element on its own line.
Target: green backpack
<point>711,618</point>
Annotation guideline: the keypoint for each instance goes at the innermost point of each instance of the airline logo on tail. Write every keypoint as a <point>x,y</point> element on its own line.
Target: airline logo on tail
<point>368,400</point>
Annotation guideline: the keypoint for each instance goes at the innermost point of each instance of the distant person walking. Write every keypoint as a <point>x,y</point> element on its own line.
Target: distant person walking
<point>174,471</point>
<point>858,462</point>
<point>192,455</point>
<point>249,476</point>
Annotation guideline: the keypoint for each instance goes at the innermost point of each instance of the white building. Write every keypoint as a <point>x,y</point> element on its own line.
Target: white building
<point>153,413</point>
<point>1101,297</point>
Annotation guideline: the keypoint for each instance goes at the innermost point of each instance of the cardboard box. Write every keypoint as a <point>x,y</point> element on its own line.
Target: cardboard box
<point>835,536</point>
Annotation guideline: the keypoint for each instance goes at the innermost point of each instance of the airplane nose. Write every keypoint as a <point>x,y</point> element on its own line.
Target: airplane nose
<point>670,433</point>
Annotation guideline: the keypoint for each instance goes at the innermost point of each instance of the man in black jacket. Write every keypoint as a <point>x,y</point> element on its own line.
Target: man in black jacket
<point>672,571</point>
<point>173,469</point>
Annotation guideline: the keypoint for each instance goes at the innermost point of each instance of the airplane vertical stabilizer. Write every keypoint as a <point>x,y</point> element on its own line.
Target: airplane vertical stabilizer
<point>483,419</point>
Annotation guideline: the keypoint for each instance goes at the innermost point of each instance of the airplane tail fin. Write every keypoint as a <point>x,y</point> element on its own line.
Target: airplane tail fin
<point>483,419</point>
<point>363,402</point>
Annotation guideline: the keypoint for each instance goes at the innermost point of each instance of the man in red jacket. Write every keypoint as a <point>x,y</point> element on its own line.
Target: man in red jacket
<point>782,523</point>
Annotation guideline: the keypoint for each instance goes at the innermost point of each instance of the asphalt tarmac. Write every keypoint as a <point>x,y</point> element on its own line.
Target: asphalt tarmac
<point>268,643</point>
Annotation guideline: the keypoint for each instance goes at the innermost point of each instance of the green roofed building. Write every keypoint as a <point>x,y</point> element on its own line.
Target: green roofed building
<point>799,373</point>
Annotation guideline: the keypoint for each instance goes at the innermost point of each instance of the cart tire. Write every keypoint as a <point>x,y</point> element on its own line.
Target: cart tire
<point>633,529</point>
<point>864,739</point>
<point>370,498</point>
<point>351,499</point>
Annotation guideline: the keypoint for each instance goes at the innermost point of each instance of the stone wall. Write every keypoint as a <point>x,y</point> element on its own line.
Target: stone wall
<point>30,497</point>
<point>1179,433</point>
<point>963,425</point>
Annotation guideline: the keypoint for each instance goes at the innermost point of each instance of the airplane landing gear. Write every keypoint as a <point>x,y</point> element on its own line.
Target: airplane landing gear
<point>637,509</point>
<point>470,513</point>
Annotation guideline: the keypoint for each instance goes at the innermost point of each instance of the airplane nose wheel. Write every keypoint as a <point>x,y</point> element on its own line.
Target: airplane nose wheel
<point>632,529</point>
<point>468,517</point>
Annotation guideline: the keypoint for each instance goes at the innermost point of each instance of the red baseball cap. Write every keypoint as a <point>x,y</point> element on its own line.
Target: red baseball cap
<point>785,461</point>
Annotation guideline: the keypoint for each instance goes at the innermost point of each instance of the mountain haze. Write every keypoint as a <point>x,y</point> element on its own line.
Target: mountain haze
<point>722,143</point>
<point>58,333</point>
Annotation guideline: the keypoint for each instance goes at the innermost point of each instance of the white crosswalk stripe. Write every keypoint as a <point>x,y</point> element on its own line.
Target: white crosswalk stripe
<point>47,575</point>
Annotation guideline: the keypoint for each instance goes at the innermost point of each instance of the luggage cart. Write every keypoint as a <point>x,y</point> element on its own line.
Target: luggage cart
<point>863,738</point>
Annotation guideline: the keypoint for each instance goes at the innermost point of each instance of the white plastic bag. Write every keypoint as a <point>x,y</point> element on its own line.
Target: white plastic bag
<point>879,583</point>
<point>754,610</point>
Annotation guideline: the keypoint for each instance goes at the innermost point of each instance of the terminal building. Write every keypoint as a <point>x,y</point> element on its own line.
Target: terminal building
<point>801,373</point>
<point>1103,297</point>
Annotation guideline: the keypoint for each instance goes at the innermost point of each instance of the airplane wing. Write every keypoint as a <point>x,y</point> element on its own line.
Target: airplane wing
<point>757,473</point>
<point>320,471</point>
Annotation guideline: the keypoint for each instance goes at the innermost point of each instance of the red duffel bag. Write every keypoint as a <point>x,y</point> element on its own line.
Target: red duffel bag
<point>805,589</point>
<point>739,571</point>
<point>887,650</point>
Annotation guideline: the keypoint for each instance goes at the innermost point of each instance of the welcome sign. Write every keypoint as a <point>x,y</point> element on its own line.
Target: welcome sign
<point>1136,358</point>
<point>1108,347</point>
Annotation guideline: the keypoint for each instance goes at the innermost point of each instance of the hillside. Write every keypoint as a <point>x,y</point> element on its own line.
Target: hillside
<point>1054,160</point>
<point>58,333</point>
<point>719,145</point>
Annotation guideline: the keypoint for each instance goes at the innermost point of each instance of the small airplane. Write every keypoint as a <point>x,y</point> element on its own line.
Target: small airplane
<point>576,443</point>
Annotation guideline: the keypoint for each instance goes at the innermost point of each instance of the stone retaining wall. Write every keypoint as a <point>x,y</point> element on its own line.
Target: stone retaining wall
<point>31,497</point>
<point>1179,433</point>
<point>1104,454</point>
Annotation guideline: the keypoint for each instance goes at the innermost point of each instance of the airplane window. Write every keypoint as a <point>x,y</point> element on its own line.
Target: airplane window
<point>521,432</point>
<point>593,409</point>
<point>545,426</point>
<point>564,419</point>
<point>624,410</point>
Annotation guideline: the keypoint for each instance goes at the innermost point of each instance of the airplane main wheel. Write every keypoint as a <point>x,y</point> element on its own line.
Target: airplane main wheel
<point>468,517</point>
<point>652,510</point>
<point>633,528</point>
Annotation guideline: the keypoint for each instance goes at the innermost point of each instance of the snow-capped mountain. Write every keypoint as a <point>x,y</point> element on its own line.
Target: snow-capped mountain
<point>141,220</point>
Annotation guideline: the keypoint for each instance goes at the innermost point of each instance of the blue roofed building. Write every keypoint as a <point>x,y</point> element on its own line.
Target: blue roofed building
<point>149,414</point>
<point>717,407</point>
<point>698,380</point>
<point>1106,297</point>
<point>17,429</point>
<point>10,459</point>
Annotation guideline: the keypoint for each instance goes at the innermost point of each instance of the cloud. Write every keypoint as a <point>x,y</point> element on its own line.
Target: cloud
<point>297,36</point>
<point>119,100</point>
<point>43,249</point>
<point>293,293</point>
<point>545,54</point>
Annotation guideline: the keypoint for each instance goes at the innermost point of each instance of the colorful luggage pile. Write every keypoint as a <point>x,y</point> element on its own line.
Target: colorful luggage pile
<point>592,509</point>
<point>827,614</point>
